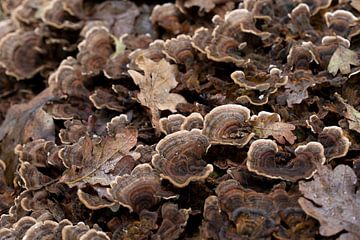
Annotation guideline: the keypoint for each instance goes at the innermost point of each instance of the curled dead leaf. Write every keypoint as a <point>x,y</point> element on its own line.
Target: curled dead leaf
<point>341,60</point>
<point>155,86</point>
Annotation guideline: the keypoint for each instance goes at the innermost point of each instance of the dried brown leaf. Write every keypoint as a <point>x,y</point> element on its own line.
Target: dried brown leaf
<point>23,123</point>
<point>342,59</point>
<point>91,161</point>
<point>351,114</point>
<point>337,204</point>
<point>268,124</point>
<point>155,86</point>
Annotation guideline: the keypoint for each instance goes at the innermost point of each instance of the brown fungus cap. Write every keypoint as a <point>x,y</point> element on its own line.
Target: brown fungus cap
<point>73,131</point>
<point>171,123</point>
<point>241,20</point>
<point>260,9</point>
<point>22,54</point>
<point>226,124</point>
<point>55,15</point>
<point>168,17</point>
<point>201,39</point>
<point>94,50</point>
<point>316,5</point>
<point>262,159</point>
<point>106,99</point>
<point>194,120</point>
<point>180,50</point>
<point>95,202</point>
<point>41,230</point>
<point>139,190</point>
<point>301,56</point>
<point>214,219</point>
<point>335,143</point>
<point>117,16</point>
<point>262,81</point>
<point>179,157</point>
<point>67,80</point>
<point>93,234</point>
<point>343,23</point>
<point>173,223</point>
<point>248,210</point>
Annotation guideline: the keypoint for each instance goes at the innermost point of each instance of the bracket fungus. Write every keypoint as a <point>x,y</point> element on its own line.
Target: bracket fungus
<point>21,54</point>
<point>184,119</point>
<point>179,157</point>
<point>227,124</point>
<point>335,143</point>
<point>139,190</point>
<point>263,159</point>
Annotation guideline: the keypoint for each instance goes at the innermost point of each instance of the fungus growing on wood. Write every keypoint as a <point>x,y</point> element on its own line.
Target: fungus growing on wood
<point>263,159</point>
<point>179,157</point>
<point>139,190</point>
<point>227,124</point>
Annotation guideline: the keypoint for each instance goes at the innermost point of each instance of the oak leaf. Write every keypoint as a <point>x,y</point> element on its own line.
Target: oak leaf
<point>351,114</point>
<point>341,60</point>
<point>155,86</point>
<point>90,160</point>
<point>332,200</point>
<point>269,124</point>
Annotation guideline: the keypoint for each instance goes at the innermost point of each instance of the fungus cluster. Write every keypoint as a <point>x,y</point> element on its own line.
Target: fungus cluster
<point>190,119</point>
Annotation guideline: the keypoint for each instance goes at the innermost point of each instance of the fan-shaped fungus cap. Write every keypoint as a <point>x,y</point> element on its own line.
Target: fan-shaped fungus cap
<point>180,50</point>
<point>335,143</point>
<point>242,20</point>
<point>95,50</point>
<point>74,130</point>
<point>93,201</point>
<point>194,120</point>
<point>67,80</point>
<point>300,56</point>
<point>82,232</point>
<point>262,159</point>
<point>167,16</point>
<point>315,124</point>
<point>174,221</point>
<point>18,229</point>
<point>22,55</point>
<point>343,23</point>
<point>179,157</point>
<point>103,98</point>
<point>226,49</point>
<point>118,16</point>
<point>43,230</point>
<point>300,17</point>
<point>201,39</point>
<point>226,124</point>
<point>55,15</point>
<point>263,9</point>
<point>214,219</point>
<point>94,234</point>
<point>171,123</point>
<point>246,208</point>
<point>139,190</point>
<point>261,81</point>
<point>316,5</point>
